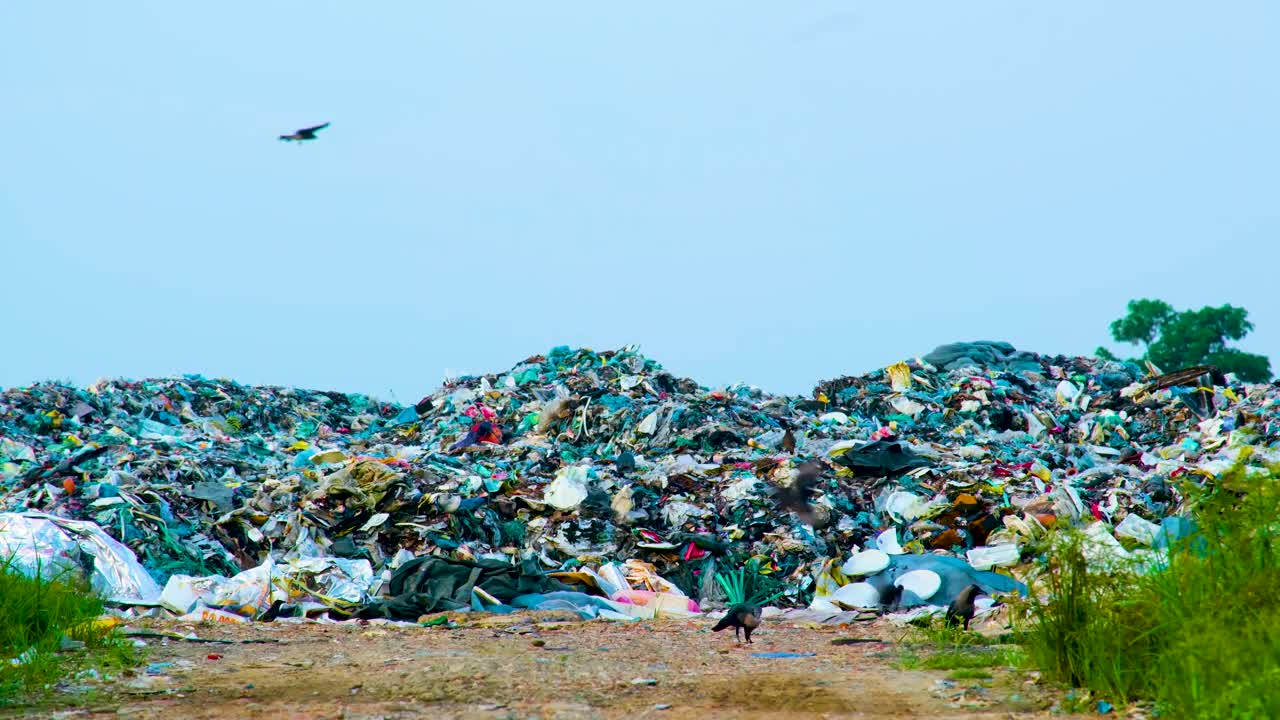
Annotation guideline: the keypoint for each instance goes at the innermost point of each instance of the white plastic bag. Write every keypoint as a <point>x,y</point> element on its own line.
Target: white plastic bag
<point>568,489</point>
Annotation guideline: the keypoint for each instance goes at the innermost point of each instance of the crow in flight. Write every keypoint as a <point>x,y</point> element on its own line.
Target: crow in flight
<point>797,496</point>
<point>305,134</point>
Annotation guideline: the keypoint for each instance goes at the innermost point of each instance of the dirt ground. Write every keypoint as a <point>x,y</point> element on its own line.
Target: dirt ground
<point>536,666</point>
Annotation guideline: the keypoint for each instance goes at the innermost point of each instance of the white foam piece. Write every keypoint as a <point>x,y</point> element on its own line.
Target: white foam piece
<point>857,595</point>
<point>867,562</point>
<point>924,583</point>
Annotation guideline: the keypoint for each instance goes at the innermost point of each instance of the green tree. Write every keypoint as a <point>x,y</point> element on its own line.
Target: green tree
<point>1180,339</point>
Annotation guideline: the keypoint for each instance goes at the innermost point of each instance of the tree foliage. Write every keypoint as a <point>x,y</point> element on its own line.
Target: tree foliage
<point>1175,339</point>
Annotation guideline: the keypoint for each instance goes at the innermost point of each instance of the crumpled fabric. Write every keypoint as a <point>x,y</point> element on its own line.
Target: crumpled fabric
<point>955,574</point>
<point>588,607</point>
<point>432,584</point>
<point>881,457</point>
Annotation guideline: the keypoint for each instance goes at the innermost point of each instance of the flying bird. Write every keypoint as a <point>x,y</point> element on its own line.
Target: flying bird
<point>741,617</point>
<point>305,134</point>
<point>961,608</point>
<point>797,496</point>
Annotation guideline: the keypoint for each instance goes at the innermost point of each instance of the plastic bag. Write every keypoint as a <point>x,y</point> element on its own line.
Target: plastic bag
<point>51,546</point>
<point>247,593</point>
<point>568,489</point>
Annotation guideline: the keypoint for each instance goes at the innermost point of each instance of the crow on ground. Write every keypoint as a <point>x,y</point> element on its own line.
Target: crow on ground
<point>961,609</point>
<point>626,462</point>
<point>741,617</point>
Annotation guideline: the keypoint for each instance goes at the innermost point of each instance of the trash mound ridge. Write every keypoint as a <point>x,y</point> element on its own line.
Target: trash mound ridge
<point>579,457</point>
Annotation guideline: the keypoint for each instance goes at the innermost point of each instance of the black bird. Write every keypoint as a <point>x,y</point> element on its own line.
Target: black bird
<point>890,597</point>
<point>305,134</point>
<point>962,607</point>
<point>789,442</point>
<point>796,496</point>
<point>271,613</point>
<point>742,617</point>
<point>625,463</point>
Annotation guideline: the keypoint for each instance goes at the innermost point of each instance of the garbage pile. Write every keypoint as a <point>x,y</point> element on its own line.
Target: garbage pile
<point>246,499</point>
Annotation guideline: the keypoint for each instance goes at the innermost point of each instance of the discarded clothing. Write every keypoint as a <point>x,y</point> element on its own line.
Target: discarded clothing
<point>434,584</point>
<point>881,457</point>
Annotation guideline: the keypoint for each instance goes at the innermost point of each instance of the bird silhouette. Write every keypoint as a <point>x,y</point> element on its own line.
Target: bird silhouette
<point>789,442</point>
<point>304,134</point>
<point>797,496</point>
<point>961,609</point>
<point>626,462</point>
<point>741,617</point>
<point>890,596</point>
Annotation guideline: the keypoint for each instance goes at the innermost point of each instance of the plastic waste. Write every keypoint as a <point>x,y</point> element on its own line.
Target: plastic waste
<point>569,488</point>
<point>202,614</point>
<point>899,376</point>
<point>923,583</point>
<point>39,544</point>
<point>887,542</point>
<point>866,562</point>
<point>182,593</point>
<point>1101,549</point>
<point>1138,529</point>
<point>591,458</point>
<point>987,557</point>
<point>905,506</point>
<point>588,607</point>
<point>857,595</point>
<point>1172,529</point>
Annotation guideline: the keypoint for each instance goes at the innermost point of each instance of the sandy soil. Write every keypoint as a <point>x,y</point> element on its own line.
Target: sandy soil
<point>536,666</point>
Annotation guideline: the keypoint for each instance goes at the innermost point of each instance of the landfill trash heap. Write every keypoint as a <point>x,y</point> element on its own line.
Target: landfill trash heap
<point>603,471</point>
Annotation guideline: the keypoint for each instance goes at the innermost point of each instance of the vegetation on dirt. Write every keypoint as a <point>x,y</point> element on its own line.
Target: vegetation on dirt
<point>1198,636</point>
<point>968,657</point>
<point>50,633</point>
<point>934,645</point>
<point>969,674</point>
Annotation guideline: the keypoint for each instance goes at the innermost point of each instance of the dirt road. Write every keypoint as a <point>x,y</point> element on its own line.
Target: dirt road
<point>537,667</point>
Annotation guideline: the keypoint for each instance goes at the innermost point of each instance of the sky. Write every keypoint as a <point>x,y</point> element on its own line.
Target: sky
<point>774,193</point>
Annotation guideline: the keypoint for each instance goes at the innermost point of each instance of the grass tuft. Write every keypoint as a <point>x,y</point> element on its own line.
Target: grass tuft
<point>936,632</point>
<point>962,659</point>
<point>1199,636</point>
<point>969,674</point>
<point>48,634</point>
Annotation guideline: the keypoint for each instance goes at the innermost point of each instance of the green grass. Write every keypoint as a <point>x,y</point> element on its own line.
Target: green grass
<point>1199,637</point>
<point>962,659</point>
<point>969,674</point>
<point>932,645</point>
<point>909,661</point>
<point>936,632</point>
<point>968,660</point>
<point>48,626</point>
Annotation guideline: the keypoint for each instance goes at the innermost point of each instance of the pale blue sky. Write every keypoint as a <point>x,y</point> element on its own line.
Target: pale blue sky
<point>760,191</point>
